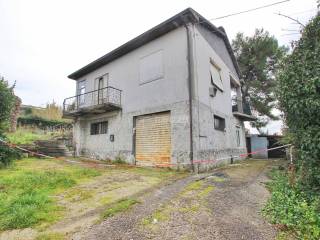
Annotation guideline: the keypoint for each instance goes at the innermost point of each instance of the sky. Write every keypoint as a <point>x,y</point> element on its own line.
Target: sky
<point>43,41</point>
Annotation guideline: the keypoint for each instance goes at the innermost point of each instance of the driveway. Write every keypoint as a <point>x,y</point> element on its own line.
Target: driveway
<point>224,204</point>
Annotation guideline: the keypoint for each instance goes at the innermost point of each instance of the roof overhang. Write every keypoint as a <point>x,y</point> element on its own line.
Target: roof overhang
<point>181,19</point>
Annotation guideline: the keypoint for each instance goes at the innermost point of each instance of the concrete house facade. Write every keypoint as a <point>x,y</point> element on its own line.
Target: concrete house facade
<point>170,96</point>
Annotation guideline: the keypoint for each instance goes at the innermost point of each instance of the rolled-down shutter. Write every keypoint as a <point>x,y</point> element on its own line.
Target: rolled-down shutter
<point>153,139</point>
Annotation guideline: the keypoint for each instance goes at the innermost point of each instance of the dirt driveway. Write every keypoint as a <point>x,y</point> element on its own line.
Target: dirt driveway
<point>224,204</point>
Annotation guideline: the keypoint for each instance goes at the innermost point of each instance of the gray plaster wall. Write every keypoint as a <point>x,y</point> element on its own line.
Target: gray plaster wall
<point>124,74</point>
<point>168,93</point>
<point>209,143</point>
<point>121,126</point>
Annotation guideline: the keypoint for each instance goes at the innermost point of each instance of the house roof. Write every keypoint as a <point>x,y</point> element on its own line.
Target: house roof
<point>186,16</point>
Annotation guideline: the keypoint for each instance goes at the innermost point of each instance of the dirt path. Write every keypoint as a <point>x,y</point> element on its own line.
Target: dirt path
<point>225,204</point>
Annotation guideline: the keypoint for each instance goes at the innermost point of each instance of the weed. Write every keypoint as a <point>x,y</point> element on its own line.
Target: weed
<point>291,207</point>
<point>194,186</point>
<point>51,236</point>
<point>118,207</point>
<point>205,192</point>
<point>160,215</point>
<point>26,197</point>
<point>25,136</point>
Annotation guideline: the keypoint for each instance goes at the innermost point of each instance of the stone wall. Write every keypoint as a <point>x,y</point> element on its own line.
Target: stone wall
<point>15,114</point>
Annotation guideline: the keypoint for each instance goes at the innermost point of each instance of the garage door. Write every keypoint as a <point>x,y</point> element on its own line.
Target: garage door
<point>153,139</point>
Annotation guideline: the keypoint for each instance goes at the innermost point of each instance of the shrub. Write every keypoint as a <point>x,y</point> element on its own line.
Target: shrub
<point>299,99</point>
<point>293,208</point>
<point>7,154</point>
<point>7,100</point>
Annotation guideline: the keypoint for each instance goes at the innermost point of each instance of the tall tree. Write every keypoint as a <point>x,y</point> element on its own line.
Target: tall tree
<point>258,58</point>
<point>7,100</point>
<point>299,98</point>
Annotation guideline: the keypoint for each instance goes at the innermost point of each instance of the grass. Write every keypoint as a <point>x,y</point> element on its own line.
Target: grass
<point>26,189</point>
<point>189,201</point>
<point>26,136</point>
<point>205,192</point>
<point>51,236</point>
<point>160,215</point>
<point>194,186</point>
<point>37,193</point>
<point>120,206</point>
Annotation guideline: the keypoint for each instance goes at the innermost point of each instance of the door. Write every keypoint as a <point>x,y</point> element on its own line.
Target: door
<point>101,91</point>
<point>153,139</point>
<point>81,93</point>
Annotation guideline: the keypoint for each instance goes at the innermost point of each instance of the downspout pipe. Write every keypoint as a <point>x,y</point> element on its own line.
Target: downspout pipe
<point>190,79</point>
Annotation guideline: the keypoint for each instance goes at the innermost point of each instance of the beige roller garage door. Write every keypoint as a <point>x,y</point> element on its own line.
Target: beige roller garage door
<point>153,139</point>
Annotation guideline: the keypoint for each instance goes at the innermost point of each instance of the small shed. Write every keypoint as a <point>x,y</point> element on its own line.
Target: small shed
<point>258,143</point>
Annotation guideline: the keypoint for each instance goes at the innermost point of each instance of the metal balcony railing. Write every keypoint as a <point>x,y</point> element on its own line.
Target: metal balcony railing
<point>240,106</point>
<point>108,98</point>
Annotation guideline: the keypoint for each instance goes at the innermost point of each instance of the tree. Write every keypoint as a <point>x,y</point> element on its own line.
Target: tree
<point>299,98</point>
<point>258,58</point>
<point>7,101</point>
<point>52,111</point>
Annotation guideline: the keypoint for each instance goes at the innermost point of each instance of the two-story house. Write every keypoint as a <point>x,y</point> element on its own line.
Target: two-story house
<point>169,96</point>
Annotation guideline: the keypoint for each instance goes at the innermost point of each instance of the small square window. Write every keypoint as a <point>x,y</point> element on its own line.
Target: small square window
<point>219,123</point>
<point>99,128</point>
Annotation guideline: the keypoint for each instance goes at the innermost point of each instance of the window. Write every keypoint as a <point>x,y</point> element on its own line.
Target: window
<point>99,128</point>
<point>219,123</point>
<point>82,91</point>
<point>238,136</point>
<point>151,67</point>
<point>215,73</point>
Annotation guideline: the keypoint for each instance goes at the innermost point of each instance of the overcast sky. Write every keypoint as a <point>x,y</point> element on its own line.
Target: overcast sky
<point>43,41</point>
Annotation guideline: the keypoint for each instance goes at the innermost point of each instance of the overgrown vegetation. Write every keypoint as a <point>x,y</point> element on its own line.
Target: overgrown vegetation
<point>292,208</point>
<point>27,136</point>
<point>299,98</point>
<point>7,101</point>
<point>295,204</point>
<point>48,118</point>
<point>25,192</point>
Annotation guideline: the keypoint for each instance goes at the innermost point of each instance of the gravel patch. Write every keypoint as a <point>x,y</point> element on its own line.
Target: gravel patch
<point>230,210</point>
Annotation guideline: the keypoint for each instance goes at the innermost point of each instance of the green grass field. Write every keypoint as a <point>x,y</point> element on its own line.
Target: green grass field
<point>26,136</point>
<point>26,189</point>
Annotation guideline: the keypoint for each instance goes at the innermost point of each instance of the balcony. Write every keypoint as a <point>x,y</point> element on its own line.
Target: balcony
<point>242,110</point>
<point>94,102</point>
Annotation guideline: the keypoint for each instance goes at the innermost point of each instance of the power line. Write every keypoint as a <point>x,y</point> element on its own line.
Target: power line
<point>249,10</point>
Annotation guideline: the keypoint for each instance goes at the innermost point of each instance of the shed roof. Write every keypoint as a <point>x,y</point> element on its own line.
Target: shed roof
<point>186,16</point>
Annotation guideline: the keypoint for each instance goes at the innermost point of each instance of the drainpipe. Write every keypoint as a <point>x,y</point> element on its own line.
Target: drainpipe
<point>190,79</point>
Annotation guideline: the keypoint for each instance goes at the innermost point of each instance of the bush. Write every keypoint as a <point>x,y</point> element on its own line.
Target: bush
<point>7,154</point>
<point>291,207</point>
<point>299,98</point>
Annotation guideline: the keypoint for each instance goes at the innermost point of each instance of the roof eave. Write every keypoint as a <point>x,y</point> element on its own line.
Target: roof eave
<point>186,16</point>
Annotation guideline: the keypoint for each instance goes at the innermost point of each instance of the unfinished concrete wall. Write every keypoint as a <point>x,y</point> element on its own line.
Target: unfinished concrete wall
<point>167,91</point>
<point>165,88</point>
<point>211,143</point>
